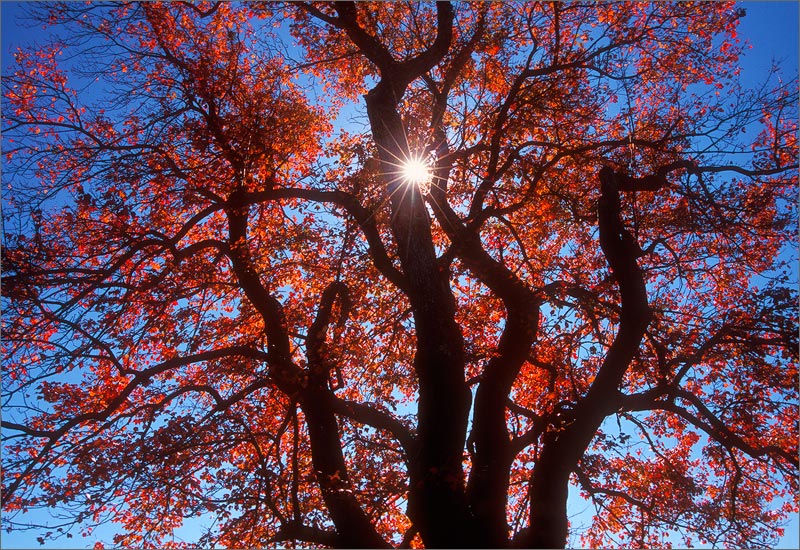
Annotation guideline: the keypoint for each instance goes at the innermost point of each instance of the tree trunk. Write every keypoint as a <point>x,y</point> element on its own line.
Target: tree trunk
<point>548,493</point>
<point>437,501</point>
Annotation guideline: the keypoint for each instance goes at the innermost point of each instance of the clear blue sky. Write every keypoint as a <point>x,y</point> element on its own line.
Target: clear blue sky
<point>770,27</point>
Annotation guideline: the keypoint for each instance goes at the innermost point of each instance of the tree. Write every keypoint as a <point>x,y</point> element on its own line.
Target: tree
<point>554,252</point>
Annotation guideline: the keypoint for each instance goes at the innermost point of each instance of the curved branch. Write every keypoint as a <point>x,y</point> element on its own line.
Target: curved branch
<point>663,398</point>
<point>363,413</point>
<point>562,452</point>
<point>717,429</point>
<point>296,531</point>
<point>353,525</point>
<point>263,301</point>
<point>364,218</point>
<point>368,44</point>
<point>658,180</point>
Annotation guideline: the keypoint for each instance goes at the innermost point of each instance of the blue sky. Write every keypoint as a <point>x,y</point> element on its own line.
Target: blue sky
<point>770,27</point>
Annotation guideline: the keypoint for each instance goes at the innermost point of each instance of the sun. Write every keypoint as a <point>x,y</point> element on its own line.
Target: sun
<point>415,171</point>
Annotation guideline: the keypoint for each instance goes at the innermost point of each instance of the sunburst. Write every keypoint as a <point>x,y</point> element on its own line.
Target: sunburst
<point>417,171</point>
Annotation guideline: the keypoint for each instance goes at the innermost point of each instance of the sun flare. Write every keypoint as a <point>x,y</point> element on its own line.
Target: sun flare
<point>416,172</point>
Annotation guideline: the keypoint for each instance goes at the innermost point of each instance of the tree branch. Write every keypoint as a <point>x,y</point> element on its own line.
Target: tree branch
<point>363,413</point>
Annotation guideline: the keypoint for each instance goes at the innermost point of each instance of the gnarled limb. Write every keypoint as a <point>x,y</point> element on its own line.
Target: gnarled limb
<point>562,449</point>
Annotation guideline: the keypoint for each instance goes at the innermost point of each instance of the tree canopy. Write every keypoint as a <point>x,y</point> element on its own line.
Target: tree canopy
<point>398,274</point>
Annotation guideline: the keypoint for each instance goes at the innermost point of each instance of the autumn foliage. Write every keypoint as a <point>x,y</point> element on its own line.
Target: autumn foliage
<point>223,300</point>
